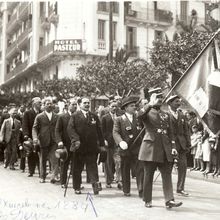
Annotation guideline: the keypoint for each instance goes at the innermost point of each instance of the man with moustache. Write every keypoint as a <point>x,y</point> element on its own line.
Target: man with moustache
<point>181,138</point>
<point>63,139</point>
<point>157,149</point>
<point>43,133</point>
<point>85,133</point>
<point>113,157</point>
<point>10,135</point>
<point>27,124</point>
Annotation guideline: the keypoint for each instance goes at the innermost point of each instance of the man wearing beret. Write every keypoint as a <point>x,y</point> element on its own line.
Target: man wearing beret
<point>85,133</point>
<point>27,124</point>
<point>181,138</point>
<point>157,149</point>
<point>63,139</point>
<point>126,129</point>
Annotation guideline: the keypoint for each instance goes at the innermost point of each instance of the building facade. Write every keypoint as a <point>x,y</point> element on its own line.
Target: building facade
<point>50,40</point>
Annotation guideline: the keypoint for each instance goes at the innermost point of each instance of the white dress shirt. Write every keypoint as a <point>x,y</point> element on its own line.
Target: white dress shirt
<point>85,113</point>
<point>129,116</point>
<point>49,115</point>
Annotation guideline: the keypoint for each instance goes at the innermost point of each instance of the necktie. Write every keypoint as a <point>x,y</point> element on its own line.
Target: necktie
<point>13,124</point>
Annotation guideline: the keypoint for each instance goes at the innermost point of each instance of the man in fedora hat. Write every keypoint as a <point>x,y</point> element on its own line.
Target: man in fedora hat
<point>181,138</point>
<point>157,149</point>
<point>63,139</point>
<point>27,124</point>
<point>126,129</point>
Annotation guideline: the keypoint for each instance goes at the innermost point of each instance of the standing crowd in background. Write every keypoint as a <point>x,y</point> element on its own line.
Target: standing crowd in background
<point>131,138</point>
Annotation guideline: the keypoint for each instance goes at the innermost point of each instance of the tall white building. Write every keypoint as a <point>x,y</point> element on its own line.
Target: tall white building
<point>46,40</point>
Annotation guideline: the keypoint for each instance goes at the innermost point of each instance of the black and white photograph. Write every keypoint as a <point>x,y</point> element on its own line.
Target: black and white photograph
<point>109,110</point>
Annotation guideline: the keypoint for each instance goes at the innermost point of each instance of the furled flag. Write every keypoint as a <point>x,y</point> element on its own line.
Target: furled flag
<point>200,86</point>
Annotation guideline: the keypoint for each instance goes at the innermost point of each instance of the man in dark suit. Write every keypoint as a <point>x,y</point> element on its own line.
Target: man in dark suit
<point>157,148</point>
<point>63,139</point>
<point>9,134</point>
<point>27,124</point>
<point>181,138</point>
<point>126,129</point>
<point>43,133</point>
<point>113,157</point>
<point>85,133</point>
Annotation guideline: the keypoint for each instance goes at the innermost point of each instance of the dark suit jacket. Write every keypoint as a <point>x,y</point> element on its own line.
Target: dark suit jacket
<point>180,131</point>
<point>44,129</point>
<point>6,130</point>
<point>88,132</point>
<point>61,129</point>
<point>28,122</point>
<point>124,130</point>
<point>156,146</point>
<point>107,128</point>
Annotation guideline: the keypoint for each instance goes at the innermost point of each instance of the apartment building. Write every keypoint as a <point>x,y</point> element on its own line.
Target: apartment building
<point>47,40</point>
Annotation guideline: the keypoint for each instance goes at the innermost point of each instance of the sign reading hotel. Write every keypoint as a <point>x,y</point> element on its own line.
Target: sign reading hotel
<point>67,46</point>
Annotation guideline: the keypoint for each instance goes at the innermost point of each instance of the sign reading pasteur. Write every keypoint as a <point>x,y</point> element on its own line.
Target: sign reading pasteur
<point>67,46</point>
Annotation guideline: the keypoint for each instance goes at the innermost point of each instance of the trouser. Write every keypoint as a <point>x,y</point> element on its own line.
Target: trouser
<point>23,160</point>
<point>165,170</point>
<point>127,162</point>
<point>48,153</point>
<point>182,168</point>
<point>91,166</point>
<point>10,152</point>
<point>33,161</point>
<point>109,176</point>
<point>64,168</point>
<point>117,161</point>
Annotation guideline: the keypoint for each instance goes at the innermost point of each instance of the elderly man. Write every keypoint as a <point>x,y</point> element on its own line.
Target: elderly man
<point>126,129</point>
<point>27,125</point>
<point>85,133</point>
<point>157,148</point>
<point>43,133</point>
<point>10,135</point>
<point>63,139</point>
<point>181,138</point>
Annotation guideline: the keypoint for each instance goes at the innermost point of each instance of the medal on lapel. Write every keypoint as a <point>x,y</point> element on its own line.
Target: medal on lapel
<point>128,128</point>
<point>131,135</point>
<point>93,121</point>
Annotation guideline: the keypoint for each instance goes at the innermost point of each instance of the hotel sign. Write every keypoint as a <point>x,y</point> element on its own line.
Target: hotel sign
<point>67,46</point>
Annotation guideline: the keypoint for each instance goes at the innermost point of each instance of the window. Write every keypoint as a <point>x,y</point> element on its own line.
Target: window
<point>115,7</point>
<point>183,11</point>
<point>158,35</point>
<point>114,31</point>
<point>102,6</point>
<point>101,29</point>
<point>41,42</point>
<point>131,38</point>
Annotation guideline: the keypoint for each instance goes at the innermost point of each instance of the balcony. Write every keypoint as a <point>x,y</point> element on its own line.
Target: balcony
<point>101,44</point>
<point>45,51</point>
<point>20,67</point>
<point>13,24</point>
<point>153,17</point>
<point>45,24</point>
<point>133,50</point>
<point>23,38</point>
<point>12,49</point>
<point>23,11</point>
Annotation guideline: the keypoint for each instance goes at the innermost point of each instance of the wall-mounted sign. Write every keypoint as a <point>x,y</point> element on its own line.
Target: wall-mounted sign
<point>67,46</point>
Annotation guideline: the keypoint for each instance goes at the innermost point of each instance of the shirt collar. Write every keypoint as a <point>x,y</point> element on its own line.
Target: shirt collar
<point>84,112</point>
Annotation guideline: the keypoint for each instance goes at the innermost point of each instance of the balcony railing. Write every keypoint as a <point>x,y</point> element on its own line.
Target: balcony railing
<point>101,45</point>
<point>23,37</point>
<point>14,23</point>
<point>12,47</point>
<point>150,16</point>
<point>23,10</point>
<point>44,51</point>
<point>18,69</point>
<point>133,50</point>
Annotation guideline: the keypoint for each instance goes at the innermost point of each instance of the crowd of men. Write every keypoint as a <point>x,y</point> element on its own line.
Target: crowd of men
<point>131,137</point>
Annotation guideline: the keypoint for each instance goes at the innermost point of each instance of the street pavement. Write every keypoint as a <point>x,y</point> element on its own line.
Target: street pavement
<point>23,198</point>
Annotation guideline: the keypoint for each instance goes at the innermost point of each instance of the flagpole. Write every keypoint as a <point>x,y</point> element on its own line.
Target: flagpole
<point>210,41</point>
